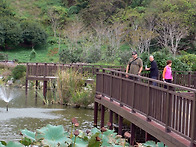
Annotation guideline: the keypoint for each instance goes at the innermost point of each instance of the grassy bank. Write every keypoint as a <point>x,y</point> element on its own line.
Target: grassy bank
<point>23,55</point>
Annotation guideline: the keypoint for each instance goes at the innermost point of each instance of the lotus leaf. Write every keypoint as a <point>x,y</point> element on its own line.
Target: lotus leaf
<point>150,144</point>
<point>79,142</point>
<point>92,142</point>
<point>53,136</point>
<point>153,144</point>
<point>94,131</point>
<point>28,134</point>
<point>109,139</point>
<point>14,144</point>
<point>161,144</point>
<point>1,145</point>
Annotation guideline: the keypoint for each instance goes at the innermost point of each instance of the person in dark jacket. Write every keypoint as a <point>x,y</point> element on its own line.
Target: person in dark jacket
<point>153,69</point>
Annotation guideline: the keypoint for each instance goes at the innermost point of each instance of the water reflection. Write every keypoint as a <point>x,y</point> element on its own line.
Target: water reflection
<point>26,114</point>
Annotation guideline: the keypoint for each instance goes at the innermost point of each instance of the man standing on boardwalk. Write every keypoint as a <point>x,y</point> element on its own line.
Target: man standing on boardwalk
<point>153,69</point>
<point>135,65</point>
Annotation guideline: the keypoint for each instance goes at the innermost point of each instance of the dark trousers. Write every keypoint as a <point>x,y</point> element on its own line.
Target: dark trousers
<point>169,81</point>
<point>154,83</point>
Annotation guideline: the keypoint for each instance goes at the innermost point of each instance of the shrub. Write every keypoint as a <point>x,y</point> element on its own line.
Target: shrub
<point>161,58</point>
<point>18,72</point>
<point>32,54</point>
<point>74,10</point>
<point>189,59</point>
<point>70,56</point>
<point>3,56</point>
<point>94,55</point>
<point>124,56</point>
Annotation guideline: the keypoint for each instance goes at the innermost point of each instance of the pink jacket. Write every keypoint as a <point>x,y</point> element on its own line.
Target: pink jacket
<point>167,73</point>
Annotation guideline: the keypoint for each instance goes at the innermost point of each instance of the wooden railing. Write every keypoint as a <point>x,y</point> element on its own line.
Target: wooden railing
<point>183,78</point>
<point>50,69</point>
<point>170,105</point>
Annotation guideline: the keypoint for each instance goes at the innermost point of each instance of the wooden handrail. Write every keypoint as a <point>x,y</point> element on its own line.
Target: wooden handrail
<point>165,106</point>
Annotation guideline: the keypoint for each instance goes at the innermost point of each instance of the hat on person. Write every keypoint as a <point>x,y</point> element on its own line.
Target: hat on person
<point>134,53</point>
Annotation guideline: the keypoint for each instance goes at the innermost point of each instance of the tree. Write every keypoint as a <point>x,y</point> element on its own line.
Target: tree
<point>171,30</point>
<point>5,10</point>
<point>2,36</point>
<point>171,21</point>
<point>57,17</point>
<point>139,32</point>
<point>33,33</point>
<point>13,31</point>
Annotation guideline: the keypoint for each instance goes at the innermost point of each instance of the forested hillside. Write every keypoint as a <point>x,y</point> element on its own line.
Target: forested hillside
<point>100,31</point>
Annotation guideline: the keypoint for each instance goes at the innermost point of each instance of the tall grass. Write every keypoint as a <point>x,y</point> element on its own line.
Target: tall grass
<point>70,88</point>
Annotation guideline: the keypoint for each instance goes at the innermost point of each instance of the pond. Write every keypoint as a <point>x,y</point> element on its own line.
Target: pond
<point>25,112</point>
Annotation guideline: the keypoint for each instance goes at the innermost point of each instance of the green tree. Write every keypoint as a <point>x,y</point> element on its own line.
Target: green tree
<point>5,10</point>
<point>57,17</point>
<point>171,21</point>
<point>33,33</point>
<point>2,36</point>
<point>13,31</point>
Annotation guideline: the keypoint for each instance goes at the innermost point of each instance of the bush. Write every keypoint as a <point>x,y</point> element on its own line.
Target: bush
<point>74,10</point>
<point>124,57</point>
<point>94,56</point>
<point>70,56</point>
<point>32,54</point>
<point>189,59</point>
<point>161,58</point>
<point>18,72</point>
<point>3,56</point>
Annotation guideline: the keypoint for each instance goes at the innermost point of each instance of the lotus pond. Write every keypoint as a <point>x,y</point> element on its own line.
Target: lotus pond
<point>27,113</point>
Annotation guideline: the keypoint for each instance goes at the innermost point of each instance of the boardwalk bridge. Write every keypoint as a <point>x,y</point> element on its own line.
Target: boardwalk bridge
<point>166,111</point>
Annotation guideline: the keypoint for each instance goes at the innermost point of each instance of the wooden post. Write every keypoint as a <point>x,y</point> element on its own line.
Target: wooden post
<point>120,92</point>
<point>95,113</point>
<point>111,120</point>
<point>147,136</point>
<point>133,99</point>
<point>36,69</point>
<point>148,102</point>
<point>189,79</point>
<point>167,111</point>
<point>133,129</point>
<point>102,115</point>
<point>120,123</point>
<point>175,74</point>
<point>193,123</point>
<point>45,69</point>
<point>116,118</point>
<point>195,83</point>
<point>45,89</point>
<point>26,85</point>
<point>103,81</point>
<point>111,84</point>
<point>36,87</point>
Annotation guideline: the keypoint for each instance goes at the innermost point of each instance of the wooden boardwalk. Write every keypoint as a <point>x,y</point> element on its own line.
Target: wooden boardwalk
<point>168,114</point>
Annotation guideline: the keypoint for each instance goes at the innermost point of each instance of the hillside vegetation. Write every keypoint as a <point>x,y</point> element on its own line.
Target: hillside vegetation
<point>97,31</point>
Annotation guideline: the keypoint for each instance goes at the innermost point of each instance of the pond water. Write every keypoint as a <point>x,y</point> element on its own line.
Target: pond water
<point>27,113</point>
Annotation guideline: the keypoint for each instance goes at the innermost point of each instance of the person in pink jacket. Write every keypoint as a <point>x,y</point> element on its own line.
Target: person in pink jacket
<point>167,72</point>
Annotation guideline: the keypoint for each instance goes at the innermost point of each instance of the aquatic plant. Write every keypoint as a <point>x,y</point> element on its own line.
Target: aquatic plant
<point>57,136</point>
<point>71,88</point>
<point>151,144</point>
